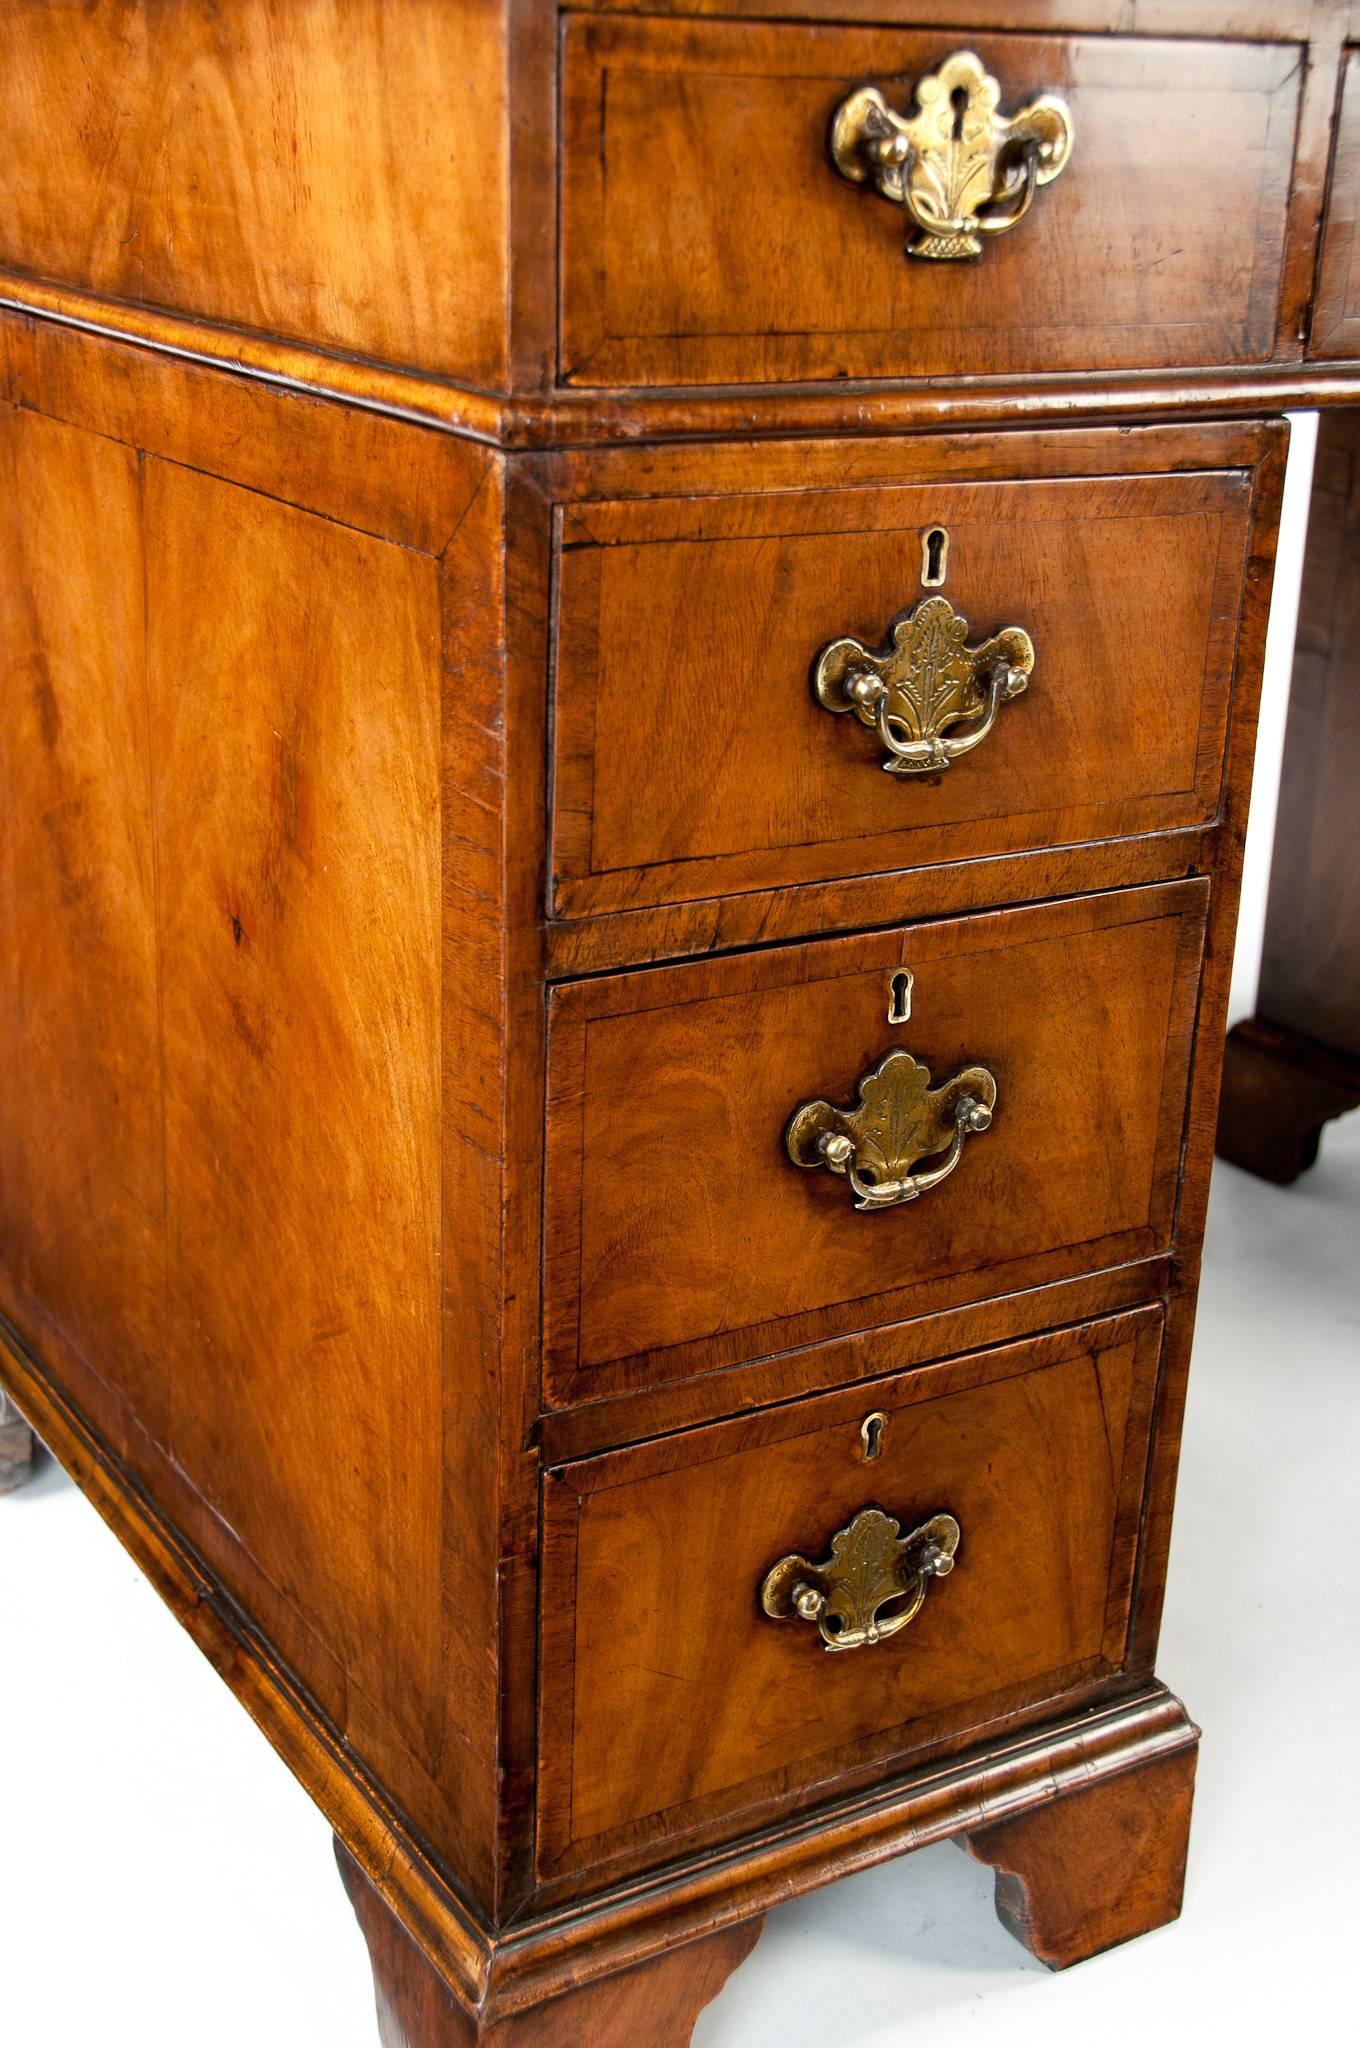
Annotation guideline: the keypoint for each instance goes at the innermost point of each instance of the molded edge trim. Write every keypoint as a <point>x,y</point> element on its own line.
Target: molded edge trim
<point>403,394</point>
<point>502,1973</point>
<point>730,1884</point>
<point>589,418</point>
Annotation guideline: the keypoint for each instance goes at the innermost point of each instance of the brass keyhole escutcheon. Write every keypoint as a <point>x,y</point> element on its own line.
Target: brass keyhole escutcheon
<point>934,557</point>
<point>872,1431</point>
<point>899,996</point>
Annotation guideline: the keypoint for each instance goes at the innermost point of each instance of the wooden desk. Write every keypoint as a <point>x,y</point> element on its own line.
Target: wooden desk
<point>628,1273</point>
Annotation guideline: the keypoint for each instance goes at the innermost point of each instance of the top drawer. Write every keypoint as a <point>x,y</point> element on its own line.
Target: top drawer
<point>708,237</point>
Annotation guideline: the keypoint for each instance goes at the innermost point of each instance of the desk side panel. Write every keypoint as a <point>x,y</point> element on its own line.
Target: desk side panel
<point>232,979</point>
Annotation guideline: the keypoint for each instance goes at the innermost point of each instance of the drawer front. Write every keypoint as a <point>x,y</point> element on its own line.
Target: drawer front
<point>681,1238</point>
<point>737,776</point>
<point>708,238</point>
<point>672,1698</point>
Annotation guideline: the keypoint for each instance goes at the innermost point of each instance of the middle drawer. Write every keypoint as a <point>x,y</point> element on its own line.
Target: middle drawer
<point>1043,1141</point>
<point>697,626</point>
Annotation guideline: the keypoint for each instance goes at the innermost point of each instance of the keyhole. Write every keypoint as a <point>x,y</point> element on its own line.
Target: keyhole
<point>899,996</point>
<point>958,100</point>
<point>871,1435</point>
<point>934,556</point>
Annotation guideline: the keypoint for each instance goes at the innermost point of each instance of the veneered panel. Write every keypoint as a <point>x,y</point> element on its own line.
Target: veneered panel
<point>327,170</point>
<point>81,1182</point>
<point>294,676</point>
<point>269,714</point>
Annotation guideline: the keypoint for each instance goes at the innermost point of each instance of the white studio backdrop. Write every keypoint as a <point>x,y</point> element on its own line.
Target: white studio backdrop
<point>1284,613</point>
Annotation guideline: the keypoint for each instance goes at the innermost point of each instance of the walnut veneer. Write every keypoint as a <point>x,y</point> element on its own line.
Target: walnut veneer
<point>440,441</point>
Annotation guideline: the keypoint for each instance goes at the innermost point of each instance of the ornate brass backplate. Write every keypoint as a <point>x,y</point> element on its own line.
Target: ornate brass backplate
<point>872,1567</point>
<point>923,683</point>
<point>898,1119</point>
<point>962,170</point>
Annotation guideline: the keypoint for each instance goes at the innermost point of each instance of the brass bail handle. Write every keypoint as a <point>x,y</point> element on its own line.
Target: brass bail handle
<point>962,170</point>
<point>898,1119</point>
<point>930,696</point>
<point>870,1586</point>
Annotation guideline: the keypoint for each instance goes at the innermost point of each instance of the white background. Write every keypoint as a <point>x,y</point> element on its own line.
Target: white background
<point>163,1882</point>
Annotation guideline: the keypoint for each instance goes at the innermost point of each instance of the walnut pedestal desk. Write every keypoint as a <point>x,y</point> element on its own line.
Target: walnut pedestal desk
<point>631,653</point>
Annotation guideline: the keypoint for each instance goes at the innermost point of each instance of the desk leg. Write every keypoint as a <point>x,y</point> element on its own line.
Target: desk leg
<point>1095,1867</point>
<point>16,1446</point>
<point>656,2002</point>
<point>1296,1064</point>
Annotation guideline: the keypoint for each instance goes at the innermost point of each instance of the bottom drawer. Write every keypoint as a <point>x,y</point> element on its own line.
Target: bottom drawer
<point>670,1697</point>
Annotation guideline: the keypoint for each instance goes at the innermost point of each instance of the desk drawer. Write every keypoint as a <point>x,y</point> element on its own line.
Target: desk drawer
<point>672,1697</point>
<point>681,1238</point>
<point>692,625</point>
<point>708,237</point>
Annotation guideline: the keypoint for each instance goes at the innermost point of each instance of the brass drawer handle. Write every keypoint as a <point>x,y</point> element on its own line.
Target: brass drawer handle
<point>899,1119</point>
<point>961,169</point>
<point>926,680</point>
<point>872,1566</point>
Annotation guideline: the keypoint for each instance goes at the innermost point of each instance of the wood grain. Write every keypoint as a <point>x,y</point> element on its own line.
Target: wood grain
<point>294,724</point>
<point>669,1093</point>
<point>1097,1867</point>
<point>707,239</point>
<point>631,1415</point>
<point>564,1944</point>
<point>241,755</point>
<point>1336,305</point>
<point>842,459</point>
<point>804,910</point>
<point>658,2001</point>
<point>1202,1092</point>
<point>585,418</point>
<point>1245,21</point>
<point>316,1053</point>
<point>82,1184</point>
<point>330,170</point>
<point>359,468</point>
<point>654,1557</point>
